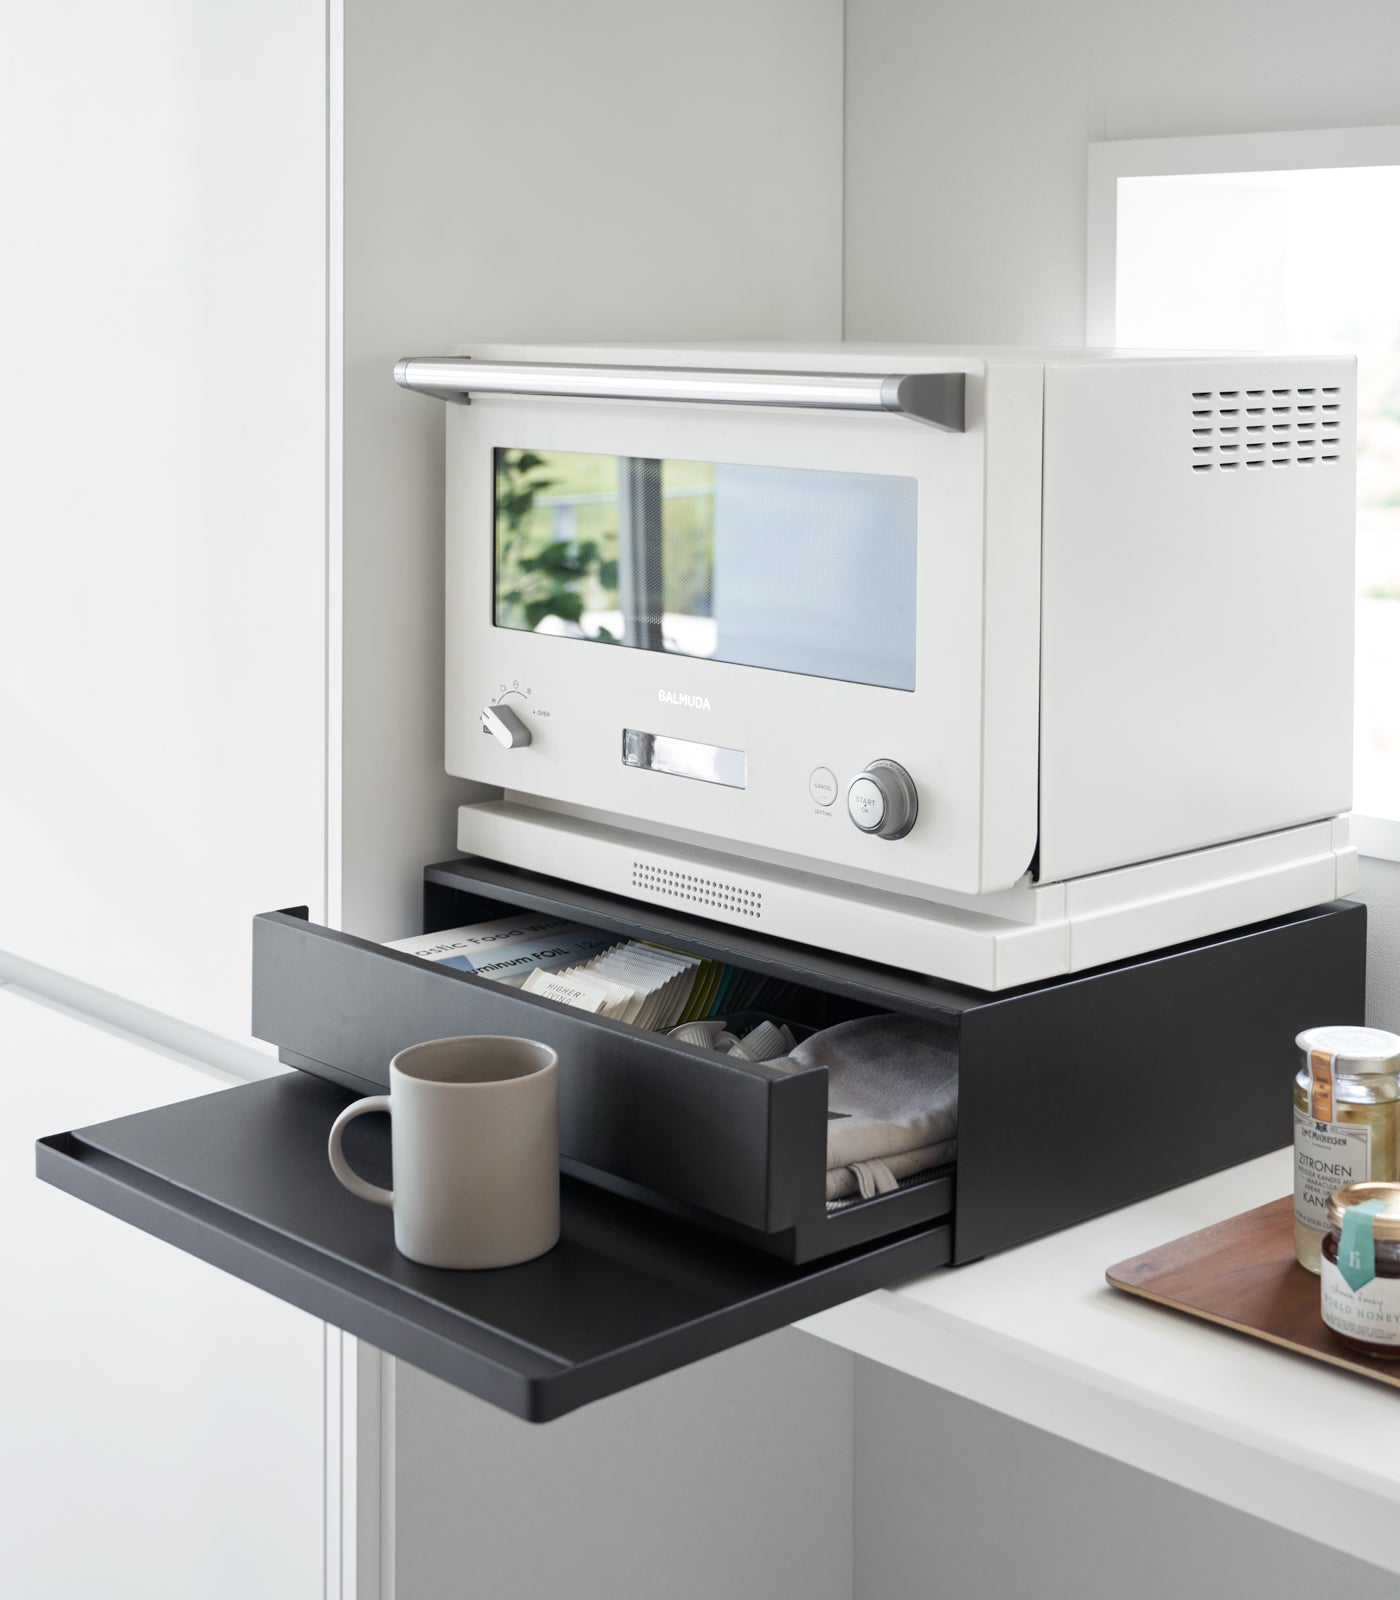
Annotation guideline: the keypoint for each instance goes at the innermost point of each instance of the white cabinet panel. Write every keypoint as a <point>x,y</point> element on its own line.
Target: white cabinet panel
<point>160,1422</point>
<point>957,1502</point>
<point>162,528</point>
<point>727,1480</point>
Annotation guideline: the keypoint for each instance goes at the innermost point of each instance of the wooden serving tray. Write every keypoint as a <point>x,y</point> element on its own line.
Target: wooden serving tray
<point>1242,1274</point>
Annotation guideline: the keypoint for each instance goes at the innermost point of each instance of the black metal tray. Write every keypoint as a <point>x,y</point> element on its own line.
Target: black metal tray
<point>240,1178</point>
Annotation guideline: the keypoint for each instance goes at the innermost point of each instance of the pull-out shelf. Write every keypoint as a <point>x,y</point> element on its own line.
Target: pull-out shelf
<point>240,1179</point>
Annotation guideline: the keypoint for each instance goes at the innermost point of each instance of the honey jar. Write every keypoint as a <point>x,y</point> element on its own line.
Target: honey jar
<point>1346,1123</point>
<point>1361,1268</point>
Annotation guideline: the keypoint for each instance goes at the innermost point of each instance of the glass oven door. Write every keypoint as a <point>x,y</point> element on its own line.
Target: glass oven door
<point>758,566</point>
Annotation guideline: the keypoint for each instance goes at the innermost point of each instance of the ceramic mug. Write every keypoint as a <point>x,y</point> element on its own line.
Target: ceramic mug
<point>476,1151</point>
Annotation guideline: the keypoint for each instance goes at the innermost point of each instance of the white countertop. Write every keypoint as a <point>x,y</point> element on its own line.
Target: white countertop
<point>1036,1333</point>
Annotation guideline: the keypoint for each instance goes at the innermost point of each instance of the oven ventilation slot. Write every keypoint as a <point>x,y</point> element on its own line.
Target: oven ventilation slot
<point>722,895</point>
<point>1264,427</point>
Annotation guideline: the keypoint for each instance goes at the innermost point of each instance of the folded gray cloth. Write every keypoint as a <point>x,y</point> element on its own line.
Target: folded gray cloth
<point>892,1100</point>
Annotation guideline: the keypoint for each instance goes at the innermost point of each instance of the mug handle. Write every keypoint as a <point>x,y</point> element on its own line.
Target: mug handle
<point>341,1167</point>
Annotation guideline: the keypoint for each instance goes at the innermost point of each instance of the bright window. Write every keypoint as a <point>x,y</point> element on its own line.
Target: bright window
<point>1304,257</point>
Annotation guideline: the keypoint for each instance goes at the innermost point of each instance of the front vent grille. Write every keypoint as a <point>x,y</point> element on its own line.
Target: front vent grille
<point>1264,427</point>
<point>691,888</point>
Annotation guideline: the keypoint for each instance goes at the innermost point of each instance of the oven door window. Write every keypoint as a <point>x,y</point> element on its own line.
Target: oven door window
<point>785,568</point>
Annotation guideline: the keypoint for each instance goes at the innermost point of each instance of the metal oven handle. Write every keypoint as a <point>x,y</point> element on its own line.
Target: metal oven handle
<point>932,397</point>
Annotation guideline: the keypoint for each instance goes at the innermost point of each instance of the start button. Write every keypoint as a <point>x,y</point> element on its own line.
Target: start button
<point>865,800</point>
<point>823,787</point>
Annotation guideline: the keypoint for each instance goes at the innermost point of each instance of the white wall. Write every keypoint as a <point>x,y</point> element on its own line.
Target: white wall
<point>160,1422</point>
<point>621,170</point>
<point>967,127</point>
<point>161,507</point>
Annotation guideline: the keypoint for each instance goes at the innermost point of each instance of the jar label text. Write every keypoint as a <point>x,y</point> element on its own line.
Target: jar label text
<point>1371,1313</point>
<point>1325,1156</point>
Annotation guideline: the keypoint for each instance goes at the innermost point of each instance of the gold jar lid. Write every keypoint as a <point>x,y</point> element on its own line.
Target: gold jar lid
<point>1384,1225</point>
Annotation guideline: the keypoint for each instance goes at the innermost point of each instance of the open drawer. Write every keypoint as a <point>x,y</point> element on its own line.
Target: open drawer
<point>1075,1095</point>
<point>738,1145</point>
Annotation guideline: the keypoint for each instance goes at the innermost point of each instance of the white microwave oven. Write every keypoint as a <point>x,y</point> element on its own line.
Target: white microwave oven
<point>991,665</point>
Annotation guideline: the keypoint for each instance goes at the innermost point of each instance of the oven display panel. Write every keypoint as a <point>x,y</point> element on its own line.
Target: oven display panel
<point>790,569</point>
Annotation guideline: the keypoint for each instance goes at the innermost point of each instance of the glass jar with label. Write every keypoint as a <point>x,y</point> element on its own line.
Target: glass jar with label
<point>1346,1123</point>
<point>1361,1268</point>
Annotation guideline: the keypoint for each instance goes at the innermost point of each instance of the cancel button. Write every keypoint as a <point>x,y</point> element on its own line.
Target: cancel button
<point>823,787</point>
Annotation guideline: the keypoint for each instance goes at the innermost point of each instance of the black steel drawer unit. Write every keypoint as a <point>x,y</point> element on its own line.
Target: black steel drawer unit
<point>1076,1096</point>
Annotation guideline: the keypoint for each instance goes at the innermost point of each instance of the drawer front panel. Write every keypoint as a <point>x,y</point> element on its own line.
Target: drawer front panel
<point>742,1141</point>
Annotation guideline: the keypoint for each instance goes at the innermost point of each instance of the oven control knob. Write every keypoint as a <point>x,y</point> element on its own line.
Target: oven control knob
<point>883,800</point>
<point>502,723</point>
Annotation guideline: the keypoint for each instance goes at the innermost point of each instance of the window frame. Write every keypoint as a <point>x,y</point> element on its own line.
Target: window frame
<point>1198,155</point>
